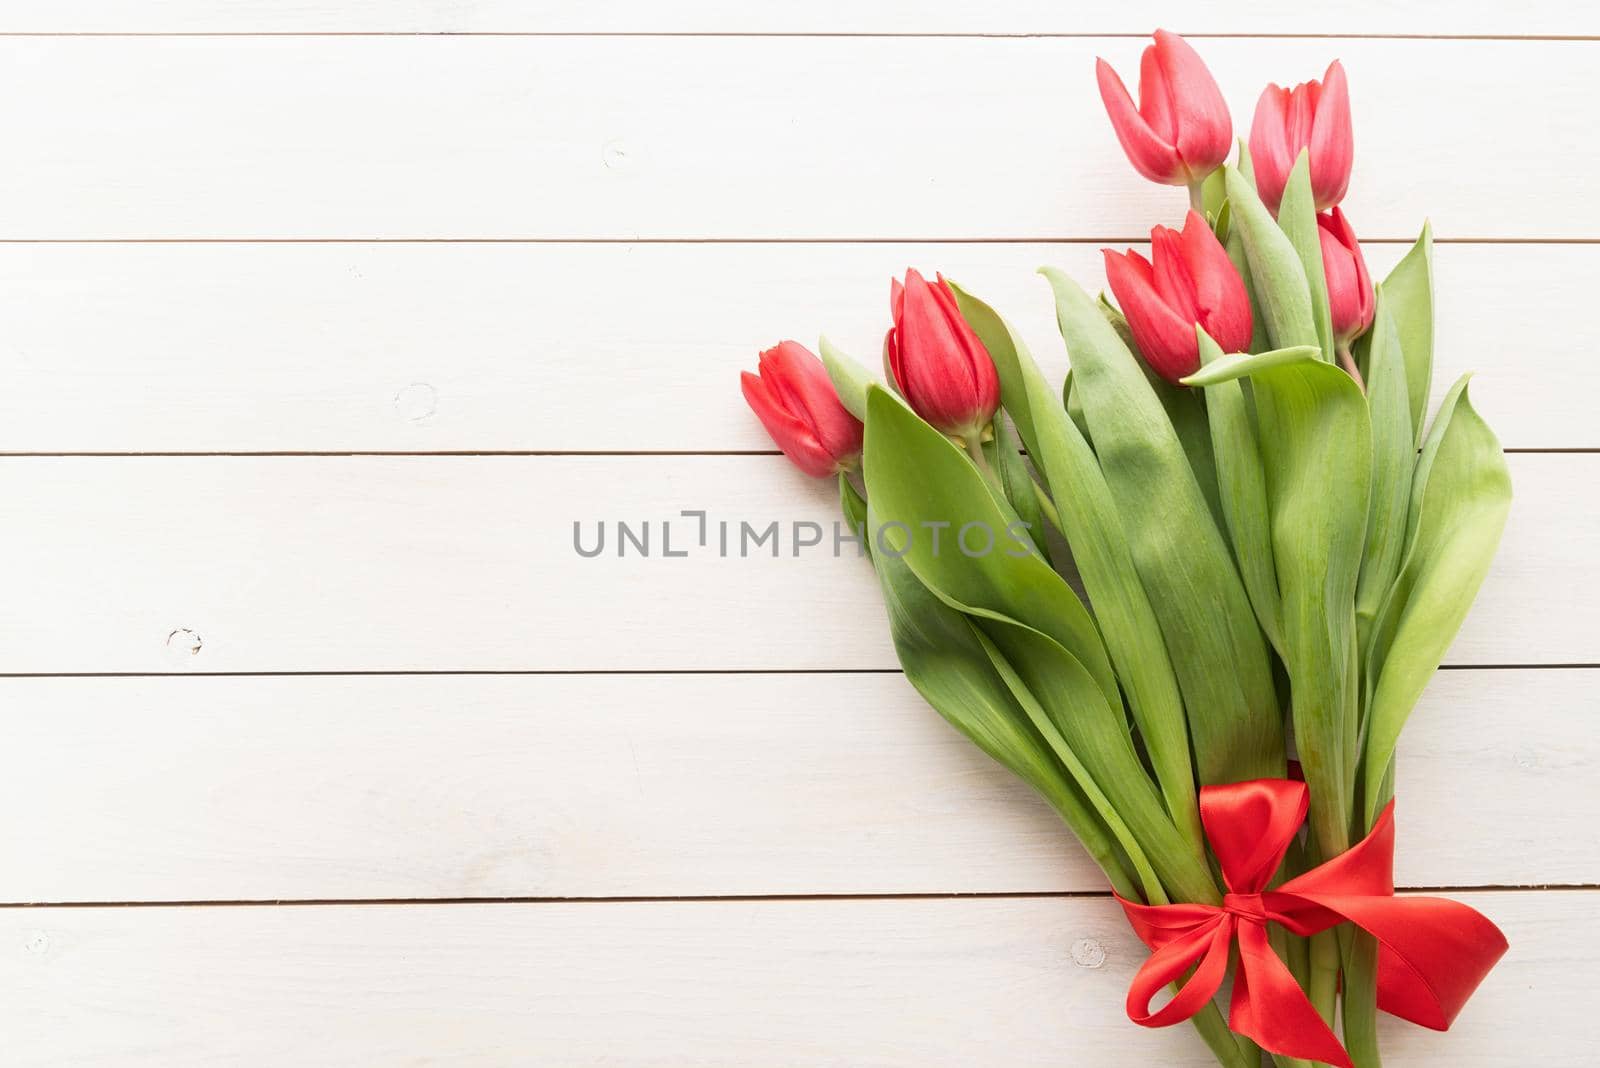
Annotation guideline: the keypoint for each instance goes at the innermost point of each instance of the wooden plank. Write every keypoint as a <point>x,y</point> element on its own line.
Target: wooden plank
<point>417,347</point>
<point>884,982</point>
<point>183,789</point>
<point>1429,17</point>
<point>125,564</point>
<point>698,137</point>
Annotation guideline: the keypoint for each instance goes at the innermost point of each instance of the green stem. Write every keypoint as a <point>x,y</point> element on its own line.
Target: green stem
<point>1046,505</point>
<point>1197,197</point>
<point>1324,991</point>
<point>1298,958</point>
<point>1231,1050</point>
<point>1348,362</point>
<point>1361,997</point>
<point>974,444</point>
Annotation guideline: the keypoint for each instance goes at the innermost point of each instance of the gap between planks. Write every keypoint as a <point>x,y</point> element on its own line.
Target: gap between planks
<point>1565,450</point>
<point>819,35</point>
<point>469,672</point>
<point>1135,240</point>
<point>709,899</point>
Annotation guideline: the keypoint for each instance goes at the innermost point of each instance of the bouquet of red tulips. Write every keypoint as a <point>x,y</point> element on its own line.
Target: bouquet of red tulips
<point>1233,536</point>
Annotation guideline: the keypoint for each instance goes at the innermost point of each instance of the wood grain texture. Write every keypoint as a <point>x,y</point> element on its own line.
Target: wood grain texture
<point>427,347</point>
<point>881,983</point>
<point>1365,17</point>
<point>227,789</point>
<point>452,563</point>
<point>729,137</point>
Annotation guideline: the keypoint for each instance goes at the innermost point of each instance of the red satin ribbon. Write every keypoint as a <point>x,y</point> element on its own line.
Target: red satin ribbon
<point>1432,952</point>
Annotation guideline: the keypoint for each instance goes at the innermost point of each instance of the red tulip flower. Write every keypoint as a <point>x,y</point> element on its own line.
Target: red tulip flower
<point>1187,282</point>
<point>795,400</point>
<point>941,367</point>
<point>1180,130</point>
<point>1350,298</point>
<point>1313,117</point>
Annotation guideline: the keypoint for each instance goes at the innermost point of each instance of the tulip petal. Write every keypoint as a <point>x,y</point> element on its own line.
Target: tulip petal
<point>1271,155</point>
<point>985,378</point>
<point>891,361</point>
<point>1300,115</point>
<point>1331,139</point>
<point>1155,97</point>
<point>1165,340</point>
<point>808,391</point>
<point>1347,237</point>
<point>934,368</point>
<point>789,433</point>
<point>1222,302</point>
<point>1153,157</point>
<point>1170,273</point>
<point>1339,270</point>
<point>1204,127</point>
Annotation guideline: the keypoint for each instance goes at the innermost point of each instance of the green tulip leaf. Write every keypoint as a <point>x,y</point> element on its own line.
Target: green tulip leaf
<point>1237,365</point>
<point>1316,447</point>
<point>1093,529</point>
<point>928,497</point>
<point>1278,276</point>
<point>1297,218</point>
<point>1017,482</point>
<point>1074,406</point>
<point>949,667</point>
<point>1095,735</point>
<point>1410,291</point>
<point>1393,456</point>
<point>850,379</point>
<point>1150,883</point>
<point>1181,556</point>
<point>1243,483</point>
<point>1213,195</point>
<point>1245,166</point>
<point>1460,497</point>
<point>1185,410</point>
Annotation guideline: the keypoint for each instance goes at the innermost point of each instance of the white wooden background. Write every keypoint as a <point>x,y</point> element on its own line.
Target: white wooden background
<point>320,322</point>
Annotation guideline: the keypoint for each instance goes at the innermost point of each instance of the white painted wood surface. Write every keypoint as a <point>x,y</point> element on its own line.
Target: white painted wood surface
<point>619,732</point>
<point>1198,17</point>
<point>468,563</point>
<point>470,347</point>
<point>878,982</point>
<point>315,788</point>
<point>734,137</point>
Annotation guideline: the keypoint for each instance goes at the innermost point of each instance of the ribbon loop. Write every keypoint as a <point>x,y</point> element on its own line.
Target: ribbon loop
<point>1432,953</point>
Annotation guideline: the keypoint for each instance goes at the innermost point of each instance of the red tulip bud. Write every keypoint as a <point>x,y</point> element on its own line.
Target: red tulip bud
<point>1180,130</point>
<point>941,367</point>
<point>1350,296</point>
<point>795,400</point>
<point>1187,281</point>
<point>1314,117</point>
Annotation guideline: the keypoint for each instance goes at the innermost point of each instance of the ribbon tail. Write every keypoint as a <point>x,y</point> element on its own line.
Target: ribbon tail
<point>1269,1007</point>
<point>1432,952</point>
<point>1207,944</point>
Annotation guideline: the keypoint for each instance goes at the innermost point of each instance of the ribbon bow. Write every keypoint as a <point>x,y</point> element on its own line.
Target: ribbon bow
<point>1432,952</point>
